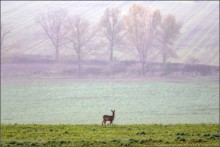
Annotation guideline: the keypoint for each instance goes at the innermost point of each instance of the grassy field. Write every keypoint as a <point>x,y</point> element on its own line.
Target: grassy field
<point>116,135</point>
<point>143,102</point>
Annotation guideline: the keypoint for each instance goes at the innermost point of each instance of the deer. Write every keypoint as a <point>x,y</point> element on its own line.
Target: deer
<point>109,118</point>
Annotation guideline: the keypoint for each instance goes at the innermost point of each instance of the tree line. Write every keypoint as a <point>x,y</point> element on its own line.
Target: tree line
<point>139,30</point>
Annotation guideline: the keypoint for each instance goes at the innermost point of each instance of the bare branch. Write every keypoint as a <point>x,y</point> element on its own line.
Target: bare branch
<point>52,23</point>
<point>111,28</point>
<point>169,31</point>
<point>5,31</point>
<point>140,24</point>
<point>79,36</point>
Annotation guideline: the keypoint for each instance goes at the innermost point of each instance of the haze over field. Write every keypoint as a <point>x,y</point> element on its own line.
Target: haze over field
<point>198,39</point>
<point>151,61</point>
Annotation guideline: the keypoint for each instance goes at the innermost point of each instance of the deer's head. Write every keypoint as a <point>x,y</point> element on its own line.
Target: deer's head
<point>113,112</point>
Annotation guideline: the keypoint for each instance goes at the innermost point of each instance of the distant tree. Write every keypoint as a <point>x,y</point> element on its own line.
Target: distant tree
<point>169,31</point>
<point>8,44</point>
<point>142,24</point>
<point>112,29</point>
<point>79,36</point>
<point>5,31</point>
<point>52,23</point>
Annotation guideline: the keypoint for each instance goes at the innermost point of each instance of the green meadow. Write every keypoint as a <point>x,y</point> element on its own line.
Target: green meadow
<point>135,102</point>
<point>116,135</point>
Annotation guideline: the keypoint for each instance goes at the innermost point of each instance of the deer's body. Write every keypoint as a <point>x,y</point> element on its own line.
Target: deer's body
<point>108,118</point>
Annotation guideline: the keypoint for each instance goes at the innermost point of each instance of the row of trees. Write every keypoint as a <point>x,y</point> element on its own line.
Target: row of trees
<point>140,30</point>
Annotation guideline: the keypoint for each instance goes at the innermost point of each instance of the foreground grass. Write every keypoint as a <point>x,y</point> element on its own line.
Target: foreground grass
<point>117,135</point>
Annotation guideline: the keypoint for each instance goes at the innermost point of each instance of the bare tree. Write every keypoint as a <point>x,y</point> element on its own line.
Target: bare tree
<point>169,31</point>
<point>5,31</point>
<point>111,25</point>
<point>79,36</point>
<point>7,44</point>
<point>141,24</point>
<point>52,23</point>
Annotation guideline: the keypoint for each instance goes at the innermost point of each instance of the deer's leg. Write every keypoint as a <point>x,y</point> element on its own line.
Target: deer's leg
<point>103,122</point>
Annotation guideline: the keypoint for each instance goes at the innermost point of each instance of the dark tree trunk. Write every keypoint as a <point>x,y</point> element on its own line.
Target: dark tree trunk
<point>164,70</point>
<point>143,68</point>
<point>111,58</point>
<point>79,65</point>
<point>164,59</point>
<point>111,52</point>
<point>57,54</point>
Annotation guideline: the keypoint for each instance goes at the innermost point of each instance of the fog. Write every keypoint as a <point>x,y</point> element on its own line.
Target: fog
<point>194,50</point>
<point>72,62</point>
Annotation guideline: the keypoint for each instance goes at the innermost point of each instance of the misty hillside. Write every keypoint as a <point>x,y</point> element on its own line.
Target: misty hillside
<point>199,38</point>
